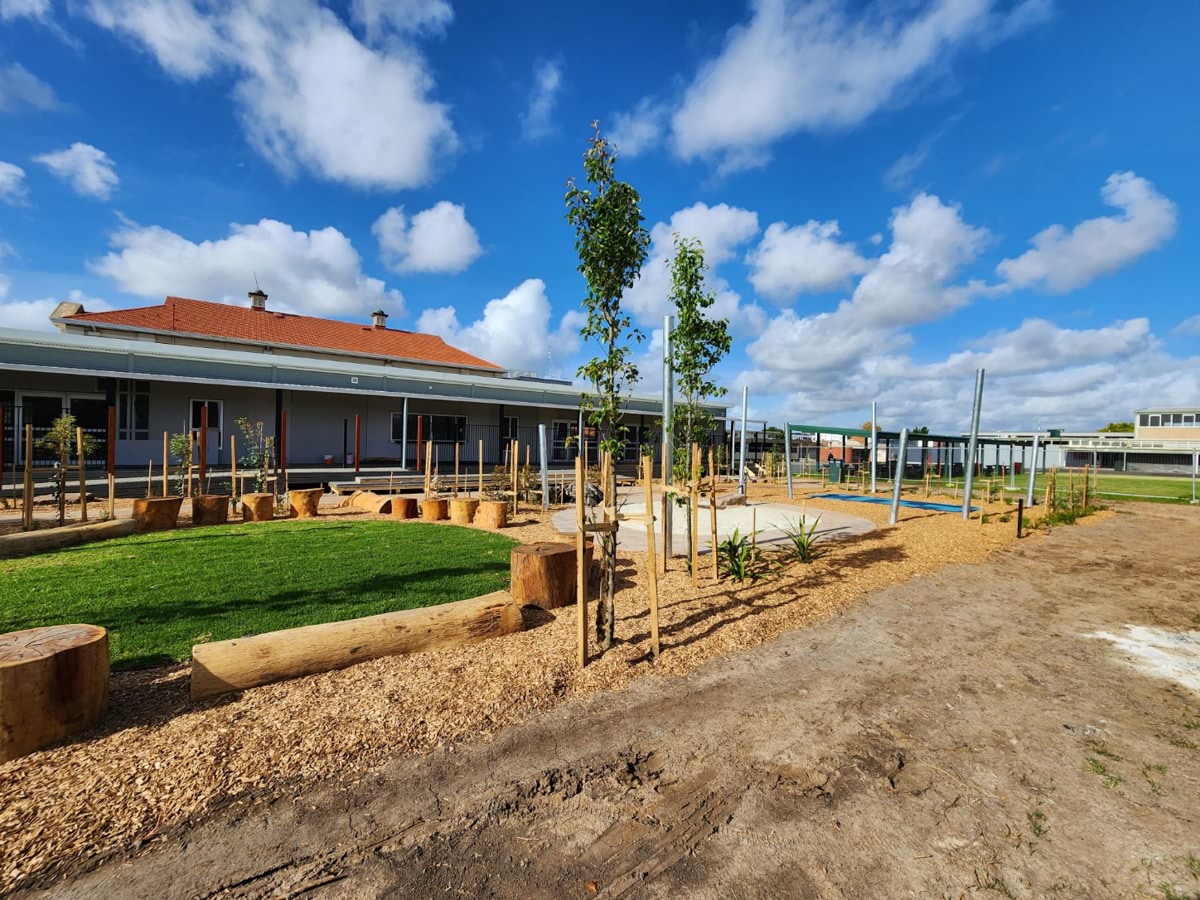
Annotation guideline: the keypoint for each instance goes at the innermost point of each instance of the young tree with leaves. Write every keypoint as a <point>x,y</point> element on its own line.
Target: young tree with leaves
<point>612,245</point>
<point>61,440</point>
<point>698,343</point>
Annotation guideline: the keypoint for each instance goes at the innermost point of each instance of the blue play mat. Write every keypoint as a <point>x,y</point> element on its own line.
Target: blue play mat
<point>886,501</point>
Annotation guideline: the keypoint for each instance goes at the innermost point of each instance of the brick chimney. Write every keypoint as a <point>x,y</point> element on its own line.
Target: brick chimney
<point>379,319</point>
<point>258,299</point>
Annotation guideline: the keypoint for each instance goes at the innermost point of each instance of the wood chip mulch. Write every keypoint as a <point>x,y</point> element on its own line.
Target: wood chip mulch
<point>160,762</point>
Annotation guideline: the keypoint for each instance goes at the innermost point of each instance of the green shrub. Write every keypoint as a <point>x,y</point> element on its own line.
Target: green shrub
<point>737,557</point>
<point>804,539</point>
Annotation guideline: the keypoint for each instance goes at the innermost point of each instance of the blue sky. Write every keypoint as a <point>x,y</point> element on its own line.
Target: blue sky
<point>890,194</point>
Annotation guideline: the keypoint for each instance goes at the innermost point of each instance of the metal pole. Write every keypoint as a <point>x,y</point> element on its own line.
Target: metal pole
<point>898,482</point>
<point>1195,468</point>
<point>546,468</point>
<point>966,510</point>
<point>1033,467</point>
<point>1012,478</point>
<point>668,432</point>
<point>874,451</point>
<point>742,468</point>
<point>404,437</point>
<point>787,449</point>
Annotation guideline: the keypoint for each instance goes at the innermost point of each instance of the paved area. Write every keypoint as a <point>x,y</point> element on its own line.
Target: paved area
<point>768,519</point>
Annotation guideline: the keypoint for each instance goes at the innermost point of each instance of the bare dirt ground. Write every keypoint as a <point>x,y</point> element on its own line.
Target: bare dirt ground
<point>955,735</point>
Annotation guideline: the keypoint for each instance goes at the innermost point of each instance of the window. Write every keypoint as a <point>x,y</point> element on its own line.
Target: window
<point>1189,419</point>
<point>1143,420</point>
<point>133,410</point>
<point>214,419</point>
<point>510,428</point>
<point>451,429</point>
<point>1155,421</point>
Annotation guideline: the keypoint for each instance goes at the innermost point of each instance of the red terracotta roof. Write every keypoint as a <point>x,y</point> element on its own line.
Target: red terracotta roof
<point>180,315</point>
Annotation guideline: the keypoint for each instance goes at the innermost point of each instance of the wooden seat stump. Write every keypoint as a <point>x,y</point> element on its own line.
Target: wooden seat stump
<point>53,683</point>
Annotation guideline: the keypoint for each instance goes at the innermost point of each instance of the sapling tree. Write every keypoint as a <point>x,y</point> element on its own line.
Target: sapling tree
<point>612,245</point>
<point>62,441</point>
<point>698,343</point>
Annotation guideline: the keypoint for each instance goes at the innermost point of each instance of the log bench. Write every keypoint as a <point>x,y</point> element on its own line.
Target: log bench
<point>53,683</point>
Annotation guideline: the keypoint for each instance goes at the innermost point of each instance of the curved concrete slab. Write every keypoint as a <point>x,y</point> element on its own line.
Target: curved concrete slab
<point>769,519</point>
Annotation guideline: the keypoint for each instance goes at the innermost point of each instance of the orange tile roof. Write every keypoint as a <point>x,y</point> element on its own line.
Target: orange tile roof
<point>179,315</point>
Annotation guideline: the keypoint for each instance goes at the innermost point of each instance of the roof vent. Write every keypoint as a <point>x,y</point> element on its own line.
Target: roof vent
<point>258,299</point>
<point>379,319</point>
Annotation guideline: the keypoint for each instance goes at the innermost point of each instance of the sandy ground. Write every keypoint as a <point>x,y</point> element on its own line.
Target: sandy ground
<point>960,734</point>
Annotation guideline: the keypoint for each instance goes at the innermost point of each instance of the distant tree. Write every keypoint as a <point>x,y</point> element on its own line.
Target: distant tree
<point>1119,427</point>
<point>866,426</point>
<point>924,429</point>
<point>612,245</point>
<point>698,343</point>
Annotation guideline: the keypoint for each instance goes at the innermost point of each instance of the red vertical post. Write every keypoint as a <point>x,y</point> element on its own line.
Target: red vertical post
<point>283,432</point>
<point>357,439</point>
<point>203,443</point>
<point>112,440</point>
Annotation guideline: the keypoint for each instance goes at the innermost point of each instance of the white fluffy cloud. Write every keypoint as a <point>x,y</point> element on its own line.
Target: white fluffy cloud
<point>806,258</point>
<point>379,17</point>
<point>721,230</point>
<point>438,239</point>
<point>1064,260</point>
<point>87,169</point>
<point>800,65</point>
<point>514,330</point>
<point>16,9</point>
<point>537,121</point>
<point>641,128</point>
<point>316,272</point>
<point>34,315</point>
<point>19,87</point>
<point>310,94</point>
<point>1190,325</point>
<point>12,183</point>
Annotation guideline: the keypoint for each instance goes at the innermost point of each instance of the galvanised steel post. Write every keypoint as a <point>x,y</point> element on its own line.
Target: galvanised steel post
<point>668,434</point>
<point>742,468</point>
<point>874,450</point>
<point>1032,472</point>
<point>898,481</point>
<point>970,460</point>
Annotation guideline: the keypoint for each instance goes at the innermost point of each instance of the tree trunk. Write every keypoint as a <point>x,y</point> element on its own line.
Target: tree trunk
<point>404,507</point>
<point>258,507</point>
<point>53,683</point>
<point>462,512</point>
<point>435,510</point>
<point>224,666</point>
<point>304,504</point>
<point>543,574</point>
<point>210,509</point>
<point>492,514</point>
<point>156,513</point>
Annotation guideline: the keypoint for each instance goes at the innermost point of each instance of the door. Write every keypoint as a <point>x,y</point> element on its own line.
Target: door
<point>564,431</point>
<point>215,433</point>
<point>91,414</point>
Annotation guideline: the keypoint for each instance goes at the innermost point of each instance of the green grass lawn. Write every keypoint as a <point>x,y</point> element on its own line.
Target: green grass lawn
<point>157,594</point>
<point>1168,489</point>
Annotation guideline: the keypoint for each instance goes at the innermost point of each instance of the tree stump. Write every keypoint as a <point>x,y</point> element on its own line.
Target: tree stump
<point>210,509</point>
<point>404,507</point>
<point>258,507</point>
<point>543,574</point>
<point>53,683</point>
<point>434,510</point>
<point>462,512</point>
<point>304,503</point>
<point>492,514</point>
<point>157,513</point>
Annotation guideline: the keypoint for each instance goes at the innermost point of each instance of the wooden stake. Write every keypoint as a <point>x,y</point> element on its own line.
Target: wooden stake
<point>233,475</point>
<point>150,480</point>
<point>166,461</point>
<point>712,514</point>
<point>27,498</point>
<point>191,459</point>
<point>694,496</point>
<point>647,476</point>
<point>581,572</point>
<point>513,458</point>
<point>481,468</point>
<point>456,457</point>
<point>112,495</point>
<point>428,467</point>
<point>1071,485</point>
<point>82,474</point>
<point>1085,486</point>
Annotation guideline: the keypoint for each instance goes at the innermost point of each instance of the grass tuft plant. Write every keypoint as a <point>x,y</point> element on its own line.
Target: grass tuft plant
<point>737,557</point>
<point>804,539</point>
